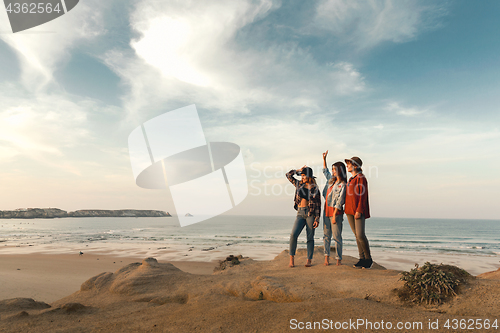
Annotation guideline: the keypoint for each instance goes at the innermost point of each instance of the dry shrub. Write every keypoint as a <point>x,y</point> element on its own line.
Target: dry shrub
<point>432,284</point>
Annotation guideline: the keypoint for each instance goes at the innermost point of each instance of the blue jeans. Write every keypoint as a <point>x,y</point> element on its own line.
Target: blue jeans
<point>334,230</point>
<point>302,221</point>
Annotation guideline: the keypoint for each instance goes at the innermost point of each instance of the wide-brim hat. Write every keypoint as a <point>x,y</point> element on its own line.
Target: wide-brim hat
<point>354,160</point>
<point>308,172</point>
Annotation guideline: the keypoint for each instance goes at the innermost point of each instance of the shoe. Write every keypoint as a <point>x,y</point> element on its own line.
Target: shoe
<point>368,263</point>
<point>359,264</point>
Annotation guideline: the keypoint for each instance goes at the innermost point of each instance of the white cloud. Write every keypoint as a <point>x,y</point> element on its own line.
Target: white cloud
<point>348,79</point>
<point>402,111</point>
<point>187,53</point>
<point>368,23</point>
<point>284,142</point>
<point>179,37</point>
<point>43,49</point>
<point>39,127</point>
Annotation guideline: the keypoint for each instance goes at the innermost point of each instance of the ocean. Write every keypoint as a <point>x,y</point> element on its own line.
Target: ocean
<point>260,237</point>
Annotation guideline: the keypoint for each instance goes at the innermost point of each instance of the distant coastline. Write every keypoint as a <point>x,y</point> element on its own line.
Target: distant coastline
<point>50,213</point>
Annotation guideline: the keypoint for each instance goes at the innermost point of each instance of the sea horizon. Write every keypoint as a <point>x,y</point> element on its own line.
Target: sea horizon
<point>229,214</point>
<point>398,243</point>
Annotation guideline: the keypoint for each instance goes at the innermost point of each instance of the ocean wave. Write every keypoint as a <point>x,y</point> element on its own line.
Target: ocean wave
<point>398,235</point>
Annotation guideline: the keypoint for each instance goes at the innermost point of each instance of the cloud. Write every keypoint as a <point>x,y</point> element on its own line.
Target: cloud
<point>394,107</point>
<point>284,142</point>
<point>182,39</point>
<point>40,127</point>
<point>348,79</point>
<point>44,49</point>
<point>177,36</point>
<point>188,52</point>
<point>366,24</point>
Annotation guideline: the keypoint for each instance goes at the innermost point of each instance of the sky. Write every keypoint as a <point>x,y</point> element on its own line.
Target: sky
<point>411,87</point>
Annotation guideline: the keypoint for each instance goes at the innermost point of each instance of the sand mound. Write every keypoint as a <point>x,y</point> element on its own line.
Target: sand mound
<point>17,316</point>
<point>71,308</point>
<point>495,275</point>
<point>179,299</point>
<point>16,304</point>
<point>135,278</point>
<point>271,289</point>
<point>261,288</point>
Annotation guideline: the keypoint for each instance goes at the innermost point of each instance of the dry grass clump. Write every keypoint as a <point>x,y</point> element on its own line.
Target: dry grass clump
<point>431,284</point>
<point>229,262</point>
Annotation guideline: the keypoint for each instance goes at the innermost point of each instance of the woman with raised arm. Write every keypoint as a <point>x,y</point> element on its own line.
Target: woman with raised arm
<point>357,210</point>
<point>307,203</point>
<point>333,213</point>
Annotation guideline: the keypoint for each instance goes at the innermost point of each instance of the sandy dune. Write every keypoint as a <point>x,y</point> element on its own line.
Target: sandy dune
<point>254,296</point>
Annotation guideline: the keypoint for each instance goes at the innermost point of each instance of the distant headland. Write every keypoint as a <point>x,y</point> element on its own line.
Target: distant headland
<point>50,213</point>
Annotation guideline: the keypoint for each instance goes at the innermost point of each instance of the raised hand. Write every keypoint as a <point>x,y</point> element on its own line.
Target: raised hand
<point>325,154</point>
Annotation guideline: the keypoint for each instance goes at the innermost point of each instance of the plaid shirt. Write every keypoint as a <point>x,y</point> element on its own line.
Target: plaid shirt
<point>314,195</point>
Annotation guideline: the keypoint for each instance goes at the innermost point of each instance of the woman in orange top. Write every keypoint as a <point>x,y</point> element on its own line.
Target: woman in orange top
<point>333,217</point>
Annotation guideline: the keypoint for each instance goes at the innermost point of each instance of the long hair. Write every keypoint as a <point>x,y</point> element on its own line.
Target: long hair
<point>311,180</point>
<point>341,172</point>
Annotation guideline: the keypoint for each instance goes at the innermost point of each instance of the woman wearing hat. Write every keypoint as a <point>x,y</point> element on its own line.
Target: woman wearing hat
<point>333,214</point>
<point>307,203</point>
<point>357,210</point>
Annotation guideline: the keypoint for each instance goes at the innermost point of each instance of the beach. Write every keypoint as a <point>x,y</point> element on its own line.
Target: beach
<point>91,293</point>
<point>51,277</point>
<point>93,275</point>
<point>55,271</point>
<point>396,243</point>
<point>162,160</point>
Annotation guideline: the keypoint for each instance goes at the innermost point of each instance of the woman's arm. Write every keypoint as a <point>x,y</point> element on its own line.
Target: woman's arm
<point>315,205</point>
<point>326,172</point>
<point>290,176</point>
<point>362,193</point>
<point>334,215</point>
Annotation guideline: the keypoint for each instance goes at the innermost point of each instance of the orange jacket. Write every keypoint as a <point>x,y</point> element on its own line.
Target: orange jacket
<point>356,199</point>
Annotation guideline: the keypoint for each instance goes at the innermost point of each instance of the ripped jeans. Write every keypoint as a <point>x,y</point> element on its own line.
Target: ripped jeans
<point>302,221</point>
